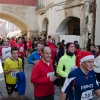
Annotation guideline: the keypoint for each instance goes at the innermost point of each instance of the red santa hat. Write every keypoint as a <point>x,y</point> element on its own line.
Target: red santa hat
<point>85,55</point>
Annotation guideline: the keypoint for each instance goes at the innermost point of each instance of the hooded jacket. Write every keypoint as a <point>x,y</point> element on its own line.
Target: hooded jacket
<point>21,83</point>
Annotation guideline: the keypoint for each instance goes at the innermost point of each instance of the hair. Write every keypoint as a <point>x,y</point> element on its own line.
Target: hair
<point>61,46</point>
<point>44,48</point>
<point>63,41</point>
<point>23,38</point>
<point>49,36</point>
<point>98,47</point>
<point>19,38</point>
<point>93,45</point>
<point>75,42</point>
<point>37,44</point>
<point>14,48</point>
<point>77,46</point>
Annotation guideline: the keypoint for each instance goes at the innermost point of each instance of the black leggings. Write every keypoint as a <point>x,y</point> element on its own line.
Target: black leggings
<point>49,97</point>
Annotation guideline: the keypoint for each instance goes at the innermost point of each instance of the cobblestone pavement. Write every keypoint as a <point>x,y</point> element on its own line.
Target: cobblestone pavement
<point>29,87</point>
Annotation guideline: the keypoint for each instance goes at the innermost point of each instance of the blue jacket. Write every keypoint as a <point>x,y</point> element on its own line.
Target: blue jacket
<point>21,83</point>
<point>34,56</point>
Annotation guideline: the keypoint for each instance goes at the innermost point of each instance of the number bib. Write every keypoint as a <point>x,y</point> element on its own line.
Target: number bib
<point>13,74</point>
<point>87,95</point>
<point>21,49</point>
<point>50,74</point>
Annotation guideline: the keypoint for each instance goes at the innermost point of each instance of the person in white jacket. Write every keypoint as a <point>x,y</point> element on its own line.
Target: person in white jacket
<point>97,63</point>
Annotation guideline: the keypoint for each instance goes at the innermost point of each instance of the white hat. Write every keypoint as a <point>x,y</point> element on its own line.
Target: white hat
<point>85,55</point>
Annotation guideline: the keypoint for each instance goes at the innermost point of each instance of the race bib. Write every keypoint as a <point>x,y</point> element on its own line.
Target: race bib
<point>13,74</point>
<point>21,49</point>
<point>87,95</point>
<point>50,74</point>
<point>72,68</point>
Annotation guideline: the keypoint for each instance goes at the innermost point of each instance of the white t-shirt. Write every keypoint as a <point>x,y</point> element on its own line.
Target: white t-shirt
<point>5,53</point>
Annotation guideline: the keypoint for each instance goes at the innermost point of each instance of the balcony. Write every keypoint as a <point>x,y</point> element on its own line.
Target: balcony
<point>40,7</point>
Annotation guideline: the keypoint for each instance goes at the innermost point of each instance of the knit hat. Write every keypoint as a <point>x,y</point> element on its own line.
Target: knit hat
<point>68,44</point>
<point>85,55</point>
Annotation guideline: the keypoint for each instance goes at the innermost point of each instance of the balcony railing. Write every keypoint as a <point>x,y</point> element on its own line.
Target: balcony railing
<point>39,5</point>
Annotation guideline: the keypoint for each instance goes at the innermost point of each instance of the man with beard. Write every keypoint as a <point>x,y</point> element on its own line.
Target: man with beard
<point>66,63</point>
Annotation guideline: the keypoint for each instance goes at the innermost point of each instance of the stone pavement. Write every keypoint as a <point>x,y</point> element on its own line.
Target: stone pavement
<point>29,87</point>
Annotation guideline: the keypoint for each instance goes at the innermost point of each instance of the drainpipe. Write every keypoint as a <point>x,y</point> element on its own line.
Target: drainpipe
<point>94,21</point>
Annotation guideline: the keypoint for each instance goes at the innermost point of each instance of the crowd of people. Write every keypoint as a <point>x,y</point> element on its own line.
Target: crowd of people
<point>76,72</point>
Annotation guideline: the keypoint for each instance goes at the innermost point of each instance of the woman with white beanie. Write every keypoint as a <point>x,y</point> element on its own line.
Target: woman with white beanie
<point>97,63</point>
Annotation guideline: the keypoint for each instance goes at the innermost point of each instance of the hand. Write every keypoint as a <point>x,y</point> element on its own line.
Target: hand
<point>36,61</point>
<point>53,78</point>
<point>12,70</point>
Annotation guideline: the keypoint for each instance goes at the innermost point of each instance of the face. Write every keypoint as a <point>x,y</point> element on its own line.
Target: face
<point>88,65</point>
<point>71,48</point>
<point>15,54</point>
<point>97,49</point>
<point>20,40</point>
<point>39,47</point>
<point>92,48</point>
<point>6,42</point>
<point>47,54</point>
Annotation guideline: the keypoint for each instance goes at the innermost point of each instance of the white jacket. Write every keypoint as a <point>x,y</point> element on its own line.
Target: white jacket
<point>97,64</point>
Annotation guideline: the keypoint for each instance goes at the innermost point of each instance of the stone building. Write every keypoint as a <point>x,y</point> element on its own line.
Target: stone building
<point>22,14</point>
<point>67,17</point>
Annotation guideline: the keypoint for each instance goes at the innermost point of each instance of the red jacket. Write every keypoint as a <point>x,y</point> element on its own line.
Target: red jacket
<point>21,50</point>
<point>12,42</point>
<point>29,44</point>
<point>78,57</point>
<point>53,50</point>
<point>42,84</point>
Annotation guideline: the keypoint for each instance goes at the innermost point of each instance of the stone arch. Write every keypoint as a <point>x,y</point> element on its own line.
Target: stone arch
<point>45,24</point>
<point>20,24</point>
<point>68,26</point>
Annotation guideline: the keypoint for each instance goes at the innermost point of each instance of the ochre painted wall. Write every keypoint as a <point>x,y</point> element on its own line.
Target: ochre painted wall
<point>19,2</point>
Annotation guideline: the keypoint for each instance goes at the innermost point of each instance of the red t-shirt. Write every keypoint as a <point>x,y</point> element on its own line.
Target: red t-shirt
<point>12,42</point>
<point>29,44</point>
<point>53,50</point>
<point>21,50</point>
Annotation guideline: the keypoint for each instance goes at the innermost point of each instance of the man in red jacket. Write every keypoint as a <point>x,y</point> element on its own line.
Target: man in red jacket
<point>43,77</point>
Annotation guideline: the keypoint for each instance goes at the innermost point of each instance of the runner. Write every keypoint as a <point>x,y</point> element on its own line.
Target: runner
<point>5,51</point>
<point>36,55</point>
<point>66,63</point>
<point>43,76</point>
<point>12,65</point>
<point>12,41</point>
<point>21,50</point>
<point>81,82</point>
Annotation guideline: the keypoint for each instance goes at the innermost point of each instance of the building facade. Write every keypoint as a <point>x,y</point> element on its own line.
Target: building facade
<point>59,18</point>
<point>3,32</point>
<point>67,17</point>
<point>22,14</point>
